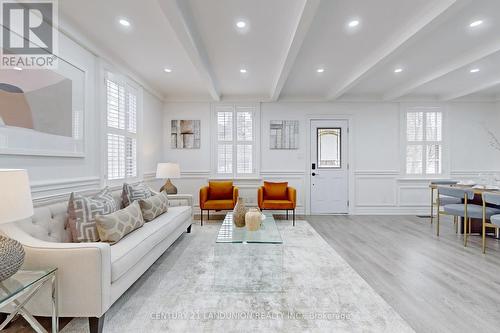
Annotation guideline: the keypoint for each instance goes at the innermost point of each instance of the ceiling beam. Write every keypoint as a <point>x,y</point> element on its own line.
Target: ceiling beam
<point>470,91</point>
<point>434,15</point>
<point>304,23</point>
<point>180,18</point>
<point>444,69</point>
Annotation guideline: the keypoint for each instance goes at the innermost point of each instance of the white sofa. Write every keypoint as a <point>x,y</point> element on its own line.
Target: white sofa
<point>92,276</point>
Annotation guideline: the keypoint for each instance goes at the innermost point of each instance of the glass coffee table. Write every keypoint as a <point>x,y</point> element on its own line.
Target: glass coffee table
<point>248,260</point>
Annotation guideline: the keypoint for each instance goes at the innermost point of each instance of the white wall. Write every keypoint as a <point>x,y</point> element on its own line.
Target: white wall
<point>376,184</point>
<point>54,177</point>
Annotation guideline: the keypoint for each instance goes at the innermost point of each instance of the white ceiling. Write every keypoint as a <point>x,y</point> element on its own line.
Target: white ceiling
<point>286,41</point>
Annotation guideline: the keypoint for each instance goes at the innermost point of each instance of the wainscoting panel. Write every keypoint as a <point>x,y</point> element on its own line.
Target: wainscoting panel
<point>47,192</point>
<point>375,189</point>
<point>414,196</point>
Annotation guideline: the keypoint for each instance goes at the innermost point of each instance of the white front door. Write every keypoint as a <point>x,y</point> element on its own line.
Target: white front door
<point>328,171</point>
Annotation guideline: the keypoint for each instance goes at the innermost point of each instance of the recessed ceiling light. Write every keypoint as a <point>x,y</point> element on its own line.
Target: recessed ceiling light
<point>168,70</point>
<point>17,68</point>
<point>398,70</point>
<point>320,70</point>
<point>241,24</point>
<point>124,22</point>
<point>243,71</point>
<point>475,70</point>
<point>476,23</point>
<point>353,23</point>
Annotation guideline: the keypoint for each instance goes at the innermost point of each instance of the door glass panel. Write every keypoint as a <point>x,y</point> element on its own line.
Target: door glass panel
<point>329,156</point>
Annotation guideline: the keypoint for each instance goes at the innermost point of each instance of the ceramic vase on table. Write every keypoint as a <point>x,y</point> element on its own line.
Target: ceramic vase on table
<point>253,219</point>
<point>239,212</point>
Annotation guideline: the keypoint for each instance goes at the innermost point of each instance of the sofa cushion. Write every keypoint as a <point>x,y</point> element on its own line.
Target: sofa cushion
<point>275,191</point>
<point>277,204</point>
<point>154,206</point>
<point>218,204</point>
<point>82,211</point>
<point>129,251</point>
<point>220,190</point>
<point>115,226</point>
<point>133,192</point>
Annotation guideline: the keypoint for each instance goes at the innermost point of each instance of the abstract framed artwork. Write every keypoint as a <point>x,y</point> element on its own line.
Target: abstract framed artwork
<point>284,134</point>
<point>185,134</point>
<point>42,111</point>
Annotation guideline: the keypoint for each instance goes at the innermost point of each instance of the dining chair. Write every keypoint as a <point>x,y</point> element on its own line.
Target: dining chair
<point>490,213</point>
<point>444,200</point>
<point>465,210</point>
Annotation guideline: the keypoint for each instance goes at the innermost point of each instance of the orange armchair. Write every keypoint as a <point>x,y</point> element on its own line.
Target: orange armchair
<point>218,195</point>
<point>277,196</point>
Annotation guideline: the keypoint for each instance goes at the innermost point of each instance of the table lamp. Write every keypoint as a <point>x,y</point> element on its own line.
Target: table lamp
<point>15,205</point>
<point>167,171</point>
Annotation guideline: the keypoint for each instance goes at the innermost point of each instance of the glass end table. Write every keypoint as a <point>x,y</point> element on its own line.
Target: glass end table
<point>17,291</point>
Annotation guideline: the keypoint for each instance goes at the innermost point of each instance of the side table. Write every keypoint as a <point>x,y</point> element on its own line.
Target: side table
<point>17,291</point>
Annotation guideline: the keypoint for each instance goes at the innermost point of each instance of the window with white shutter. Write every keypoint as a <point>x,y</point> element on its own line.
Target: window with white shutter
<point>235,141</point>
<point>121,128</point>
<point>424,141</point>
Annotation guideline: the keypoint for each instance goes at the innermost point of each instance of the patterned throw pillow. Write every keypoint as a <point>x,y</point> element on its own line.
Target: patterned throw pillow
<point>133,192</point>
<point>154,206</point>
<point>115,226</point>
<point>82,211</point>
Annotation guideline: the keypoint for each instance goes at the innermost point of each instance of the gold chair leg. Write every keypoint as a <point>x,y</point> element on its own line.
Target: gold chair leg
<point>484,237</point>
<point>432,205</point>
<point>465,232</point>
<point>465,221</point>
<point>484,226</point>
<point>437,224</point>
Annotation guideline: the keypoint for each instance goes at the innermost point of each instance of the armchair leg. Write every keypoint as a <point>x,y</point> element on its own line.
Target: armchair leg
<point>287,214</point>
<point>96,324</point>
<point>208,215</point>
<point>201,218</point>
<point>294,217</point>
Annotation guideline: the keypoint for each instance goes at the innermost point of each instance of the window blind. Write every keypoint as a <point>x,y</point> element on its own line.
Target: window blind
<point>121,116</point>
<point>235,140</point>
<point>424,128</point>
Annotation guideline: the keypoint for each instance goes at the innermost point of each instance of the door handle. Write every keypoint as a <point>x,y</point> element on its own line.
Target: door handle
<point>313,174</point>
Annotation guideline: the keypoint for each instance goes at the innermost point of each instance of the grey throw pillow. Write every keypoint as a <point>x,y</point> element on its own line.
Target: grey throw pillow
<point>133,192</point>
<point>82,211</point>
<point>115,226</point>
<point>154,206</point>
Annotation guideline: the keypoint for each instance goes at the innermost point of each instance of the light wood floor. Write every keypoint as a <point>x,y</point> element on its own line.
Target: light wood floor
<point>434,283</point>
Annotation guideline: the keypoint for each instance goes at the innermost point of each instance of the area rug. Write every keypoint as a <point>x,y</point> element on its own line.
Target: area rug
<point>321,293</point>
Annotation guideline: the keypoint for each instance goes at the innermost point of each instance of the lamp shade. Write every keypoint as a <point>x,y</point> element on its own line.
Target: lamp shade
<point>168,170</point>
<point>15,196</point>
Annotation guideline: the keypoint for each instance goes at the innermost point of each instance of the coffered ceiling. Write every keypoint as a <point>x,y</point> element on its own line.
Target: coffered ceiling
<point>322,50</point>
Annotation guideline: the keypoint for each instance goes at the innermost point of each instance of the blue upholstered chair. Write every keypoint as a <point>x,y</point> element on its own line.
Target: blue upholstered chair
<point>443,199</point>
<point>493,215</point>
<point>465,210</point>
